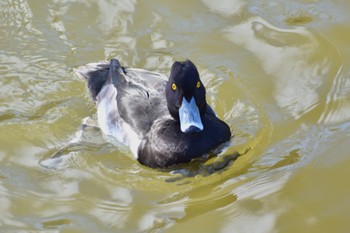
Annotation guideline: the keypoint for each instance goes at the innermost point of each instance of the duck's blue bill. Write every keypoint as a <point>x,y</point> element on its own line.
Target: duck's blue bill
<point>190,119</point>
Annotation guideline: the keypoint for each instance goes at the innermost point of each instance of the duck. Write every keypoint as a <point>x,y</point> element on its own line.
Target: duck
<point>164,120</point>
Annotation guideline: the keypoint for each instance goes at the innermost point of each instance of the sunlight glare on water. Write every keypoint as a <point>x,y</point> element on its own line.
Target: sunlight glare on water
<point>276,71</point>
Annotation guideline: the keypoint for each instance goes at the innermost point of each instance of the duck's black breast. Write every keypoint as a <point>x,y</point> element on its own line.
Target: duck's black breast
<point>166,145</point>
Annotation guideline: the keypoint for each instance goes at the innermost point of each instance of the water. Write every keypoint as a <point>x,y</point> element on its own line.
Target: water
<point>276,72</point>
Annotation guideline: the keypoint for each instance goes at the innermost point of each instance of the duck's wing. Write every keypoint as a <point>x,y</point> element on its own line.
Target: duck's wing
<point>150,80</point>
<point>96,74</point>
<point>140,97</point>
<point>100,74</point>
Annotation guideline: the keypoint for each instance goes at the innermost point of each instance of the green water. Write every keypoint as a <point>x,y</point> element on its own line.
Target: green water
<point>276,71</point>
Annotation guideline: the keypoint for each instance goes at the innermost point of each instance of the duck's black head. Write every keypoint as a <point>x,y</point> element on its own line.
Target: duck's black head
<point>185,95</point>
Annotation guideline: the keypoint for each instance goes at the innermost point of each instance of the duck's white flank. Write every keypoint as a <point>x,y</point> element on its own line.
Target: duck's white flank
<point>110,122</point>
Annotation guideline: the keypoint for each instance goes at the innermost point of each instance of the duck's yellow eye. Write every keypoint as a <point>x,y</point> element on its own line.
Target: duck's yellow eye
<point>198,84</point>
<point>173,86</point>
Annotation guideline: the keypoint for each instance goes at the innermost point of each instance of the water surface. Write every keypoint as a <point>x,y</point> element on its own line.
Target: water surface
<point>276,71</point>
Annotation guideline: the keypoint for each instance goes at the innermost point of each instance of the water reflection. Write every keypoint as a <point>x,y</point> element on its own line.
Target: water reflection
<point>338,106</point>
<point>296,79</point>
<point>282,88</point>
<point>16,14</point>
<point>226,7</point>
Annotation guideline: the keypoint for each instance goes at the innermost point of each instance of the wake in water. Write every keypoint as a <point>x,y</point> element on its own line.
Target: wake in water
<point>90,138</point>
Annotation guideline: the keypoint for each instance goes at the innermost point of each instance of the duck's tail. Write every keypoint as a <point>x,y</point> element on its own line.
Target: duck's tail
<point>100,73</point>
